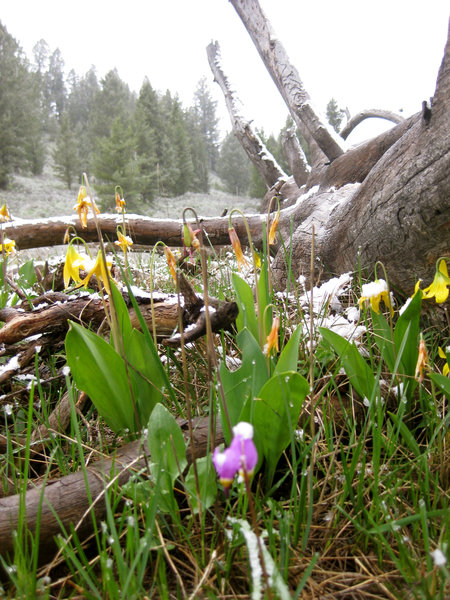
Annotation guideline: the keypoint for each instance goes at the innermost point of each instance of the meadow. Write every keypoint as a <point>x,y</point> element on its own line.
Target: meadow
<point>325,470</point>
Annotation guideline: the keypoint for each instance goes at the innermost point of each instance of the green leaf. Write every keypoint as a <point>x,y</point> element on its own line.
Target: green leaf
<point>358,371</point>
<point>123,316</point>
<point>275,415</point>
<point>27,275</point>
<point>99,371</point>
<point>207,483</point>
<point>166,442</point>
<point>442,382</point>
<point>245,382</point>
<point>288,358</point>
<point>406,334</point>
<point>384,339</point>
<point>145,375</point>
<point>246,303</point>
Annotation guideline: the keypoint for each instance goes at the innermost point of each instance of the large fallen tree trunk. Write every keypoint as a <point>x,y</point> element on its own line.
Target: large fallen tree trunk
<point>66,502</point>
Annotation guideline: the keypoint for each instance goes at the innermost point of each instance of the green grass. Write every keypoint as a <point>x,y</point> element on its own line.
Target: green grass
<point>355,507</point>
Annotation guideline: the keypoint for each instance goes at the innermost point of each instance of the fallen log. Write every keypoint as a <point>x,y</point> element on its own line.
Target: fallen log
<point>64,502</point>
<point>39,233</point>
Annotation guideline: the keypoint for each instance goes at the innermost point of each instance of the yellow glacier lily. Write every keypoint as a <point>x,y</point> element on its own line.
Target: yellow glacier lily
<point>446,369</point>
<point>439,286</point>
<point>241,260</point>
<point>4,214</point>
<point>8,246</point>
<point>99,270</point>
<point>376,291</point>
<point>74,262</point>
<point>82,206</point>
<point>272,338</point>
<point>124,242</point>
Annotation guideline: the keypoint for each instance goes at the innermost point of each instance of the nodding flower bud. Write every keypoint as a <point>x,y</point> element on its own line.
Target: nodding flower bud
<point>241,260</point>
<point>190,237</point>
<point>240,457</point>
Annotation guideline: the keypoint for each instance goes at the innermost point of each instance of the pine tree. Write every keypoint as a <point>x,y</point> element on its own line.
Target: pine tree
<point>234,166</point>
<point>20,140</point>
<point>116,163</point>
<point>67,163</point>
<point>205,108</point>
<point>334,115</point>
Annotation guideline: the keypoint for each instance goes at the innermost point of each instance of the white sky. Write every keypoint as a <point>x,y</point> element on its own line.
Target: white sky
<point>366,54</point>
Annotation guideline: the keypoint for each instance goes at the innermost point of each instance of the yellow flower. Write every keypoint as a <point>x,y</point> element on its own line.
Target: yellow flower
<point>422,361</point>
<point>273,228</point>
<point>439,286</point>
<point>272,338</point>
<point>100,272</point>
<point>124,242</point>
<point>4,214</point>
<point>120,203</point>
<point>446,369</point>
<point>8,246</point>
<point>171,262</point>
<point>82,206</point>
<point>241,260</point>
<point>375,292</point>
<point>74,262</point>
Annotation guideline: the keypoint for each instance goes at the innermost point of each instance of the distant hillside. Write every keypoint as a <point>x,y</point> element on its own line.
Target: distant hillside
<point>45,195</point>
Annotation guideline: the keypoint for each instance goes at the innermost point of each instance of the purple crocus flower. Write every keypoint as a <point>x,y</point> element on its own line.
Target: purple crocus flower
<point>241,456</point>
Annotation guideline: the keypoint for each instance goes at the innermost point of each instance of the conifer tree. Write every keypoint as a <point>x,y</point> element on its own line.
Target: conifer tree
<point>234,166</point>
<point>334,115</point>
<point>116,163</point>
<point>20,117</point>
<point>67,163</point>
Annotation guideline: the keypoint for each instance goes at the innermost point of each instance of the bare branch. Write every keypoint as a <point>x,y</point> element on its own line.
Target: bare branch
<point>265,163</point>
<point>368,114</point>
<point>286,78</point>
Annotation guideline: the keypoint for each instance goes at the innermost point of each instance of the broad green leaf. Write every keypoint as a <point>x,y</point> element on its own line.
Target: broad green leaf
<point>384,339</point>
<point>207,483</point>
<point>99,371</point>
<point>166,442</point>
<point>276,411</point>
<point>406,335</point>
<point>123,316</point>
<point>145,375</point>
<point>246,303</point>
<point>27,275</point>
<point>245,382</point>
<point>288,358</point>
<point>442,382</point>
<point>264,300</point>
<point>358,371</point>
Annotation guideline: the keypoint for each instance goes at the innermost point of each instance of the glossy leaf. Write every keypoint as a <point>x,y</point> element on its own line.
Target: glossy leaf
<point>276,411</point>
<point>98,370</point>
<point>358,371</point>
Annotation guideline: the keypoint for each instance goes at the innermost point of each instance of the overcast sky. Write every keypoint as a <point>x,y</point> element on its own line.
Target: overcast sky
<point>383,54</point>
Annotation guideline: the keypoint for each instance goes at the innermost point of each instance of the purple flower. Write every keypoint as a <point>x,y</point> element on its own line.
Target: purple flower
<point>241,456</point>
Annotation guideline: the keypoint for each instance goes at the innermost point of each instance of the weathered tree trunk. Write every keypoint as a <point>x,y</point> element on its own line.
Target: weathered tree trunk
<point>265,163</point>
<point>295,156</point>
<point>287,79</point>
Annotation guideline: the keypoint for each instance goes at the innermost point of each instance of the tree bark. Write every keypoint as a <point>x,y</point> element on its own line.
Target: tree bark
<point>295,156</point>
<point>265,163</point>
